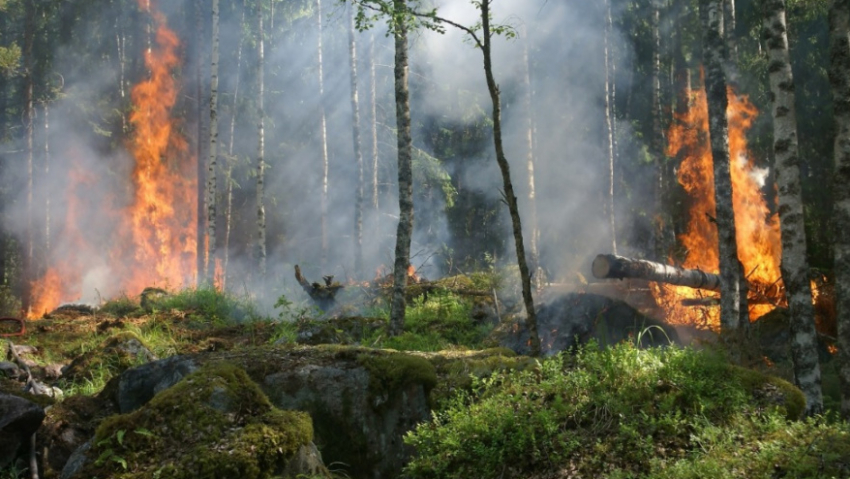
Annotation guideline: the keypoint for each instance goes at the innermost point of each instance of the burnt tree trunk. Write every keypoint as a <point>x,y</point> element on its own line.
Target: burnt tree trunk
<point>733,298</point>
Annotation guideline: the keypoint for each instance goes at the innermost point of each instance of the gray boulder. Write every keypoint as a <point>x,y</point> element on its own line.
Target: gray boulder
<point>19,419</point>
<point>139,385</point>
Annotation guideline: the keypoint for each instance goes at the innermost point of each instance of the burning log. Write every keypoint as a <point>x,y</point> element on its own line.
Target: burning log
<point>323,294</point>
<point>612,266</point>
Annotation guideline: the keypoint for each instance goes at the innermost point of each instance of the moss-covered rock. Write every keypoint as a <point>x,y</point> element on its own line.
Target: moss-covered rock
<point>216,423</point>
<point>344,330</point>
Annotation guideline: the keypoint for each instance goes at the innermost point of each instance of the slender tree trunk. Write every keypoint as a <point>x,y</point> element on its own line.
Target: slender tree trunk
<point>729,24</point>
<point>839,77</point>
<point>358,153</point>
<point>209,265</point>
<point>324,138</point>
<point>46,109</point>
<point>121,45</point>
<point>506,179</point>
<point>529,161</point>
<point>201,249</point>
<point>610,204</point>
<point>405,172</point>
<point>795,268</point>
<point>374,116</point>
<point>228,208</point>
<point>261,149</point>
<point>733,298</point>
<point>29,113</point>
<point>663,241</point>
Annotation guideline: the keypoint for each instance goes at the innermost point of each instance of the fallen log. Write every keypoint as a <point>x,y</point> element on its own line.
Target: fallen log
<point>619,267</point>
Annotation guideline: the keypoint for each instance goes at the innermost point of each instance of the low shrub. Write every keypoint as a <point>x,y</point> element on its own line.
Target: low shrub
<point>616,412</point>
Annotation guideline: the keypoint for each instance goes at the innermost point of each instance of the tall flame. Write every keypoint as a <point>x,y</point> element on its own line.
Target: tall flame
<point>759,246</point>
<point>154,242</point>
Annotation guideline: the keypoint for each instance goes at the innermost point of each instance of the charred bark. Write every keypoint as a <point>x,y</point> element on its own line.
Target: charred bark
<point>324,295</point>
<point>733,306</point>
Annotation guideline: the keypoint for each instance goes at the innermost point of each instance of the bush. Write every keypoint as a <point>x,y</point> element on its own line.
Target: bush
<point>209,305</point>
<point>619,412</point>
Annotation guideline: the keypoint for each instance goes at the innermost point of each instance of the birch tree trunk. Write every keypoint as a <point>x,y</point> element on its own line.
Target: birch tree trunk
<point>609,133</point>
<point>374,108</point>
<point>663,238</point>
<point>794,265</point>
<point>733,298</point>
<point>529,161</point>
<point>405,171</point>
<point>261,148</point>
<point>201,248</point>
<point>839,77</point>
<point>228,208</point>
<point>46,109</point>
<point>324,139</point>
<point>358,153</point>
<point>209,264</point>
<point>29,114</point>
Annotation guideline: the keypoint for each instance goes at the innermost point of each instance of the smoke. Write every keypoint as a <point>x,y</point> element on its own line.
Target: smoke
<point>458,214</point>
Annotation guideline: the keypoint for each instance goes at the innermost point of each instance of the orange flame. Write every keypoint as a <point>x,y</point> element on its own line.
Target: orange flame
<point>759,246</point>
<point>155,243</point>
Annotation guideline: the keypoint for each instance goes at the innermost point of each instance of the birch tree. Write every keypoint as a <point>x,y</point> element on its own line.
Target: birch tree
<point>839,77</point>
<point>733,297</point>
<point>323,131</point>
<point>794,264</point>
<point>609,132</point>
<point>405,169</point>
<point>261,147</point>
<point>209,264</point>
<point>358,153</point>
<point>529,160</point>
<point>231,160</point>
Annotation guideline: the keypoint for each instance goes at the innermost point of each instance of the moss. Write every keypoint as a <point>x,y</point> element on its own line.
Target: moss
<point>215,423</point>
<point>771,391</point>
<point>391,371</point>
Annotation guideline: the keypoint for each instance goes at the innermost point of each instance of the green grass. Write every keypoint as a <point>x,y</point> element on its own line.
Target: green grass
<point>441,322</point>
<point>210,306</point>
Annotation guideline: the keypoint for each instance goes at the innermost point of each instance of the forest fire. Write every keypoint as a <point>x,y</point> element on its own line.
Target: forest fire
<point>153,242</point>
<point>759,246</point>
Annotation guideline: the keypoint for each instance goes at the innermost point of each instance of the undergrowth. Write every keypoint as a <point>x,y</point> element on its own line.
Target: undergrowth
<point>623,412</point>
<point>210,305</point>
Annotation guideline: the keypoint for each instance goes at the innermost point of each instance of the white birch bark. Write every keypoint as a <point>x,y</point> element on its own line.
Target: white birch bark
<point>794,265</point>
<point>324,138</point>
<point>209,264</point>
<point>261,148</point>
<point>358,153</point>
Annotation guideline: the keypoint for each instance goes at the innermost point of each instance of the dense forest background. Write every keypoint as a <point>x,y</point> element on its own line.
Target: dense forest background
<point>68,71</point>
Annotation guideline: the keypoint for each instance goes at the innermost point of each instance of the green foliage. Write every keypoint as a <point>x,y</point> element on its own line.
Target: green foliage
<point>10,305</point>
<point>9,59</point>
<point>210,305</point>
<point>618,411</point>
<point>120,306</point>
<point>440,321</point>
